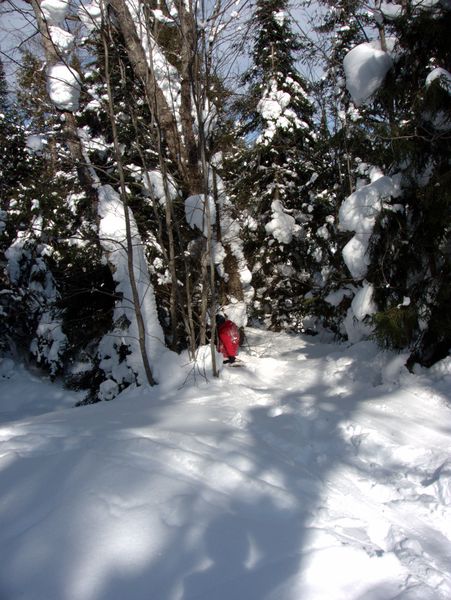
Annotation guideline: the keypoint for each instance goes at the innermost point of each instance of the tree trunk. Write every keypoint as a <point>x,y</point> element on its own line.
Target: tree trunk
<point>131,268</point>
<point>179,151</point>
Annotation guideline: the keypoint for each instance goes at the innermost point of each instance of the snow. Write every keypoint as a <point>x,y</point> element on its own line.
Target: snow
<point>161,17</point>
<point>365,68</point>
<point>236,311</point>
<point>337,296</point>
<point>282,226</point>
<point>427,4</point>
<point>316,471</point>
<point>358,213</point>
<point>63,84</point>
<point>154,183</point>
<point>362,304</point>
<point>166,74</point>
<point>55,11</point>
<point>231,237</point>
<point>274,107</point>
<point>91,15</point>
<point>443,76</point>
<point>279,17</point>
<point>112,234</point>
<point>35,142</point>
<point>391,11</point>
<point>62,40</point>
<point>196,212</point>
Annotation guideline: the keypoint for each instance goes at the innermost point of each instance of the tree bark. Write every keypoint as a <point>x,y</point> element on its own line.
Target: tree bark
<point>129,241</point>
<point>180,151</point>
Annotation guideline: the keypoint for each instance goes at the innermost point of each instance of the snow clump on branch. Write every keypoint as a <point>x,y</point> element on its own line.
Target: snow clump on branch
<point>196,212</point>
<point>365,68</point>
<point>55,11</point>
<point>274,109</point>
<point>62,40</point>
<point>358,213</point>
<point>63,86</point>
<point>282,226</point>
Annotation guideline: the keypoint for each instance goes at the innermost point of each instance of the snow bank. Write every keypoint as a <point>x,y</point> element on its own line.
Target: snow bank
<point>63,85</point>
<point>365,68</point>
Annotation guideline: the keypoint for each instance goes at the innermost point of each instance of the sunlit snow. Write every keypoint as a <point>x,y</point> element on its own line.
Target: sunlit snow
<point>63,85</point>
<point>316,471</point>
<point>365,68</point>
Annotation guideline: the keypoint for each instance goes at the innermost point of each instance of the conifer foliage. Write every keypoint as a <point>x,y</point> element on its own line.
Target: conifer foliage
<point>277,123</point>
<point>411,252</point>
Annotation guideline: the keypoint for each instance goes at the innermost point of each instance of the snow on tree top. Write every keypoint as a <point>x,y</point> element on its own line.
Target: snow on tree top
<point>365,68</point>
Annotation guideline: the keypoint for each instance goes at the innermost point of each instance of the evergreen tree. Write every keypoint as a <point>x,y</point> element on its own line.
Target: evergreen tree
<point>411,258</point>
<point>50,275</point>
<point>277,124</point>
<point>402,129</point>
<point>343,138</point>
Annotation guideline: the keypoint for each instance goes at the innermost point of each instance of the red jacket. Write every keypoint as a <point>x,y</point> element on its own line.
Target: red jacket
<point>229,339</point>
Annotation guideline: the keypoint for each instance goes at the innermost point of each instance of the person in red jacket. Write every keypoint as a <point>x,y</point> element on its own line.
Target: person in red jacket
<point>228,338</point>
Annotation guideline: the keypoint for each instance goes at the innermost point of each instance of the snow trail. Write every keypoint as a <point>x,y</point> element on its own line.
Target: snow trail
<point>308,474</point>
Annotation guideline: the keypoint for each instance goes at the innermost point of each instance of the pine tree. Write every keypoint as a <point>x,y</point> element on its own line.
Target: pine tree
<point>343,138</point>
<point>403,130</point>
<point>277,124</point>
<point>411,255</point>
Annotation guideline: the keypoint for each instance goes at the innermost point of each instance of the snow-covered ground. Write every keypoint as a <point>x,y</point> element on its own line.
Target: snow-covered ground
<point>316,472</point>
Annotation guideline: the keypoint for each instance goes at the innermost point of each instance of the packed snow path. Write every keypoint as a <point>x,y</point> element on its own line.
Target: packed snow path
<point>316,472</point>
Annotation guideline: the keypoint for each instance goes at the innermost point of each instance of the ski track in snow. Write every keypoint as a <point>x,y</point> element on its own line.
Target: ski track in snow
<point>302,476</point>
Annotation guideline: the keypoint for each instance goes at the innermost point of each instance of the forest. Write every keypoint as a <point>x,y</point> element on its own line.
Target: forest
<point>286,164</point>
